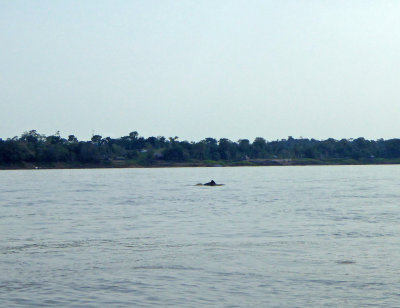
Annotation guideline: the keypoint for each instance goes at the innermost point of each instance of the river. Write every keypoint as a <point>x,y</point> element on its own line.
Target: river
<point>312,236</point>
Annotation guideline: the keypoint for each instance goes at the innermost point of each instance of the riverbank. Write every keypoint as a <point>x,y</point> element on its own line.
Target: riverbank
<point>208,163</point>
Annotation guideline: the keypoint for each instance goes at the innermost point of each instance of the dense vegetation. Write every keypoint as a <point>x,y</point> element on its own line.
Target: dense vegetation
<point>34,149</point>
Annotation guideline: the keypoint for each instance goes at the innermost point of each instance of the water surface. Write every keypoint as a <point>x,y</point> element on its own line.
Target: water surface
<point>323,236</point>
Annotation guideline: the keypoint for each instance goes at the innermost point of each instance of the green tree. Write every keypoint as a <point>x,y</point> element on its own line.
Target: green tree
<point>259,147</point>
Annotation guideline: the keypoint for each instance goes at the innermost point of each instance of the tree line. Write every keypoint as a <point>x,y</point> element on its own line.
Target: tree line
<point>32,147</point>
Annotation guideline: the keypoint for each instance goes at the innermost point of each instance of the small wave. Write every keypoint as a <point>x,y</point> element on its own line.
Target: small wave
<point>345,262</point>
<point>45,246</point>
<point>165,267</point>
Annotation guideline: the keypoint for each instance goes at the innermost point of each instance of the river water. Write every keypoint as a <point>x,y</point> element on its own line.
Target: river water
<point>314,236</point>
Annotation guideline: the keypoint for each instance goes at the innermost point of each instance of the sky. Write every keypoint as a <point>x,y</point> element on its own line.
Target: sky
<point>197,69</point>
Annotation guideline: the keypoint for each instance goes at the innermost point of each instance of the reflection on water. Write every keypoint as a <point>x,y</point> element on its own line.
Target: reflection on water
<point>272,237</point>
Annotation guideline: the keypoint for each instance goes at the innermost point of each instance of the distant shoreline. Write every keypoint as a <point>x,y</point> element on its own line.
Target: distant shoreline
<point>163,164</point>
<point>35,151</point>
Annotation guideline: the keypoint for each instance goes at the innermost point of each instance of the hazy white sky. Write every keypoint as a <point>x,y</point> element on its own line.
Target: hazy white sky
<point>197,69</point>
